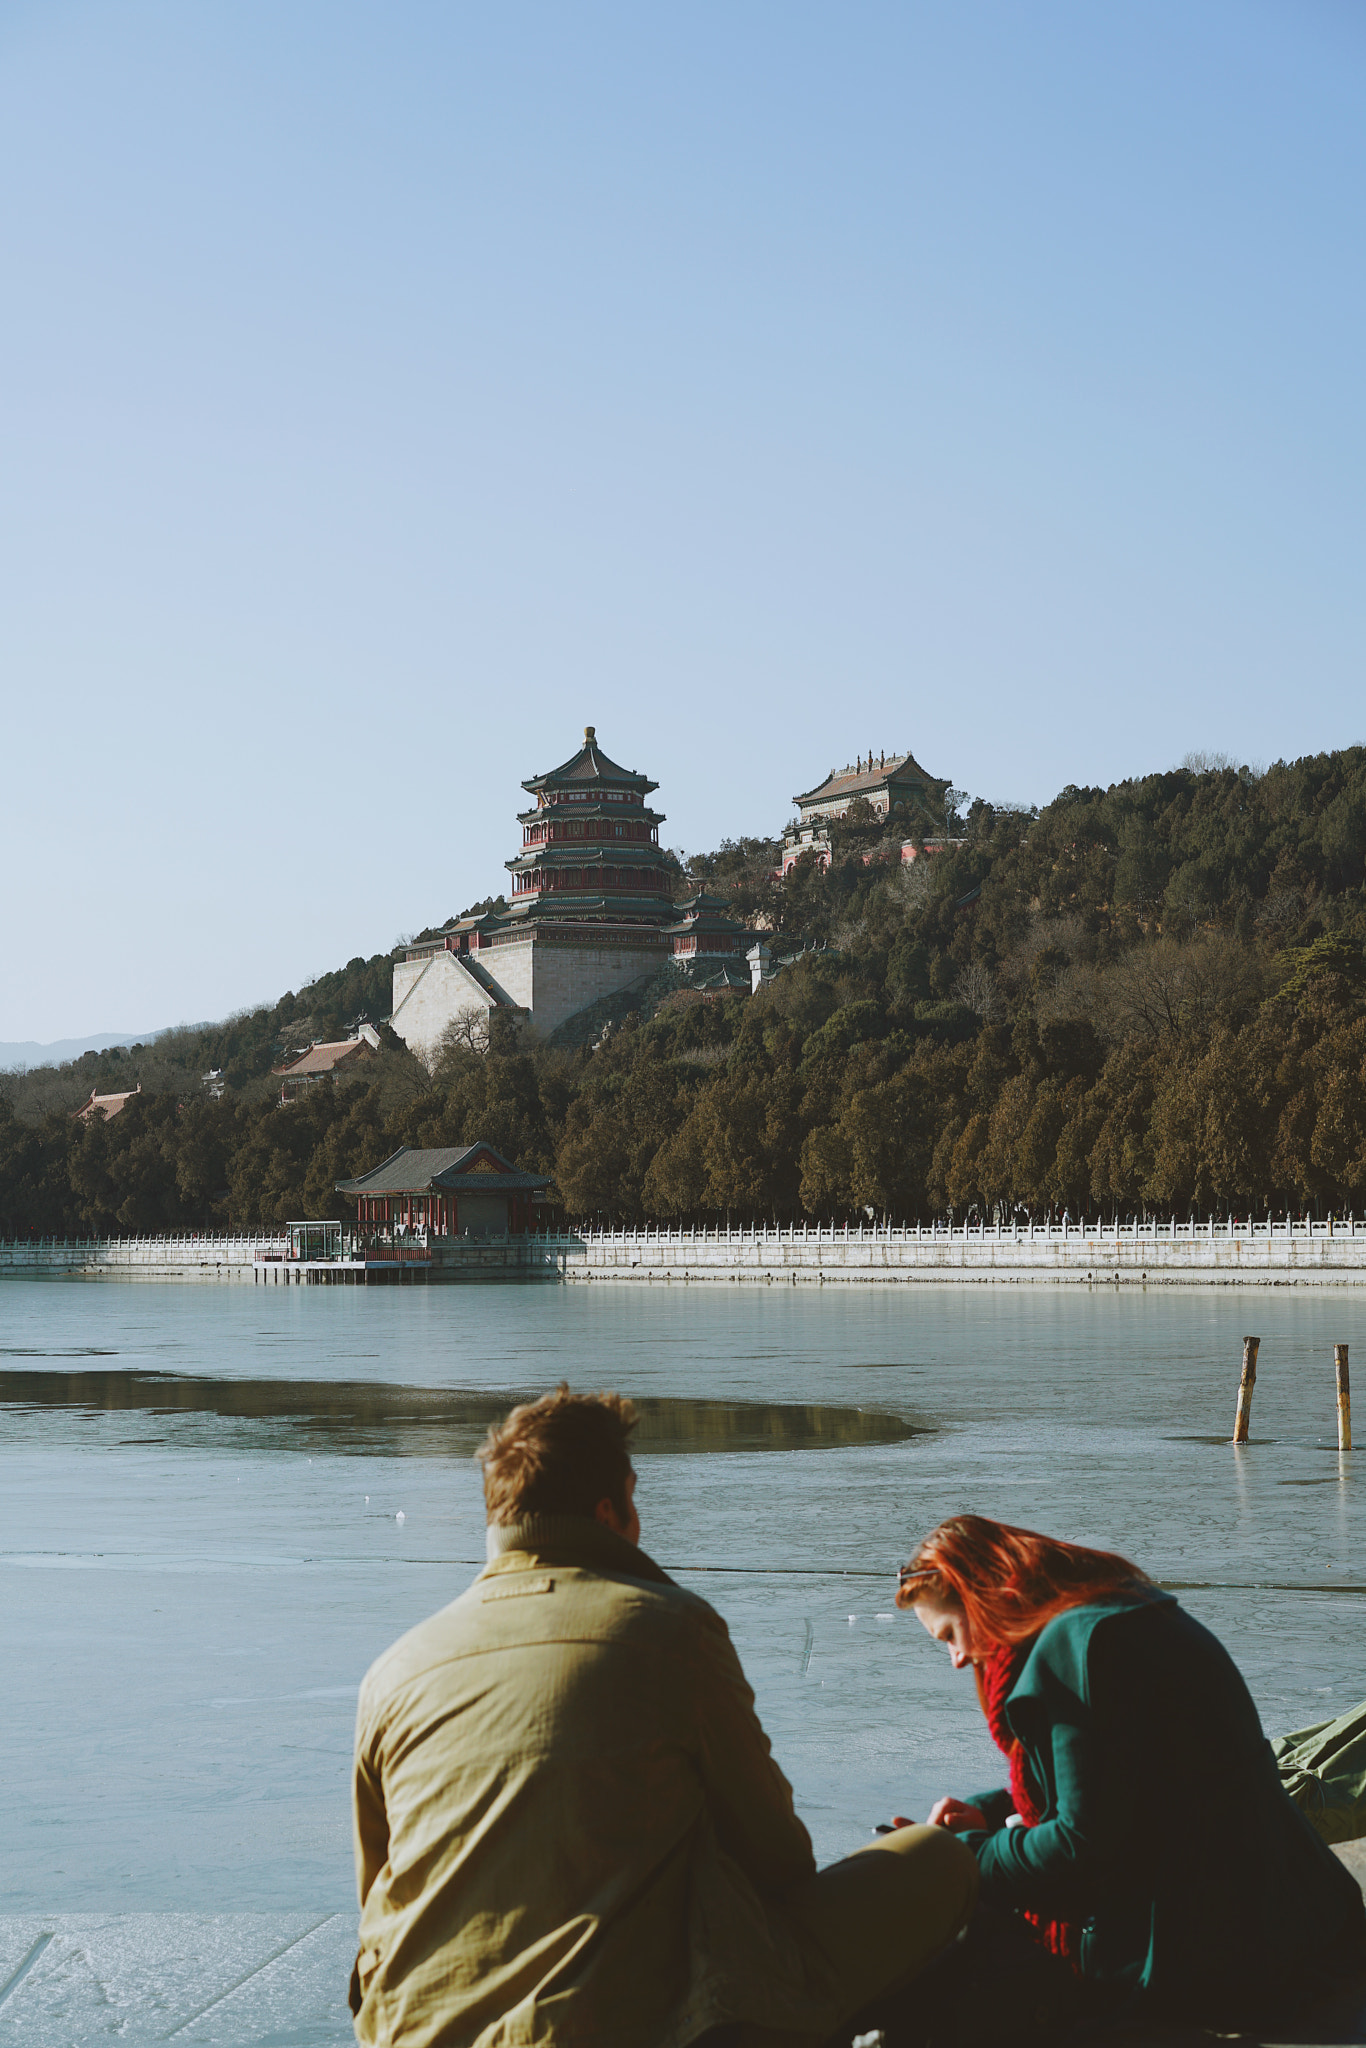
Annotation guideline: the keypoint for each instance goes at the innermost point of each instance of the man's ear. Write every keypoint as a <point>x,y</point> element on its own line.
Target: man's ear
<point>606,1513</point>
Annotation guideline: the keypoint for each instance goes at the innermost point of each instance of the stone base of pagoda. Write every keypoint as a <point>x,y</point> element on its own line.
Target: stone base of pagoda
<point>547,969</point>
<point>553,970</point>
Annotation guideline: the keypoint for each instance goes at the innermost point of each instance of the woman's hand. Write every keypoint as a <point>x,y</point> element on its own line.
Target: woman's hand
<point>955,1815</point>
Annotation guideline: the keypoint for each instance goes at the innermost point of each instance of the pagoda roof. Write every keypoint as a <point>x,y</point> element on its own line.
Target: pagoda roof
<point>589,765</point>
<point>701,899</point>
<point>596,808</point>
<point>573,907</point>
<point>857,781</point>
<point>637,913</point>
<point>590,853</point>
<point>453,1169</point>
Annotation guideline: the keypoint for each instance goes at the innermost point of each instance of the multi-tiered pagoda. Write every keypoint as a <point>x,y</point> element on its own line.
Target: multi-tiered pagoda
<point>591,914</point>
<point>590,846</point>
<point>590,899</point>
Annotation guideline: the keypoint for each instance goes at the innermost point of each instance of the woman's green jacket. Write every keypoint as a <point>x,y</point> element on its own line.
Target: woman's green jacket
<point>1166,1833</point>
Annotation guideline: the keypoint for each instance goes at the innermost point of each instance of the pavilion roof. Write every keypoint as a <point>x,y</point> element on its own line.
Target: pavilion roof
<point>325,1059</point>
<point>106,1106</point>
<point>707,921</point>
<point>701,899</point>
<point>723,976</point>
<point>590,764</point>
<point>453,1169</point>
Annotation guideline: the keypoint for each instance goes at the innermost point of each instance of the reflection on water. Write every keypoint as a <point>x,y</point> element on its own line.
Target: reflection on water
<point>361,1417</point>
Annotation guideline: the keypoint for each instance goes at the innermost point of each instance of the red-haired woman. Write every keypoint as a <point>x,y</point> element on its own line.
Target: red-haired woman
<point>1145,1831</point>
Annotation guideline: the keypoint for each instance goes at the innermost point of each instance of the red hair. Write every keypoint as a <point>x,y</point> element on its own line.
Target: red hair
<point>1009,1583</point>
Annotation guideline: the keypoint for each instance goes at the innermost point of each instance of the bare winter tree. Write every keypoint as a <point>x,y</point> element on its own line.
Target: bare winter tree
<point>1167,988</point>
<point>1282,911</point>
<point>1042,935</point>
<point>468,1031</point>
<point>37,1092</point>
<point>912,883</point>
<point>976,986</point>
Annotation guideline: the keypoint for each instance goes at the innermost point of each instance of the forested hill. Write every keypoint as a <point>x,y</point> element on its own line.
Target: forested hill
<point>1151,997</point>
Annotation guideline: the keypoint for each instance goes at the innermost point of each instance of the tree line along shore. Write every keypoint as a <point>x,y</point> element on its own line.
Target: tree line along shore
<point>1143,999</point>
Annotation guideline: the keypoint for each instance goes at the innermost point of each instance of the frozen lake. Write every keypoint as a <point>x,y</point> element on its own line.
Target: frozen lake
<point>201,1552</point>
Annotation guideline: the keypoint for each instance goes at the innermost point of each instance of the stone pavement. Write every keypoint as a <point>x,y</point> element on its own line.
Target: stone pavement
<point>278,1980</point>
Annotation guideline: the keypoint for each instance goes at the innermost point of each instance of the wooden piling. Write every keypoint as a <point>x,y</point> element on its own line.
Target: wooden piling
<point>1344,1397</point>
<point>1248,1381</point>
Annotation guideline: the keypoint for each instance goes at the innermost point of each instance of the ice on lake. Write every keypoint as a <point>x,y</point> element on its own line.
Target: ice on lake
<point>221,1504</point>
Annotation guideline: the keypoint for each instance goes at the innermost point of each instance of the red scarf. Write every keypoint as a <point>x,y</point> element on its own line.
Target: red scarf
<point>996,1677</point>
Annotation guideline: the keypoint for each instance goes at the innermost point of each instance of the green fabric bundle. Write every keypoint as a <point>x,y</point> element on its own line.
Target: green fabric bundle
<point>1324,1770</point>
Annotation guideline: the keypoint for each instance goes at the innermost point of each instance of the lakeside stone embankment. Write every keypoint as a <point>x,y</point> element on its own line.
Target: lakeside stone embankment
<point>1331,1253</point>
<point>1153,1254</point>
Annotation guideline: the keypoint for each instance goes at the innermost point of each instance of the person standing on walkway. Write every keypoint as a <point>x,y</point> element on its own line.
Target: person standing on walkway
<point>569,1827</point>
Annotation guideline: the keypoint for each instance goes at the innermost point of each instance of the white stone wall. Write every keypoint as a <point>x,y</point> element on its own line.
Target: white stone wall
<point>555,978</point>
<point>1320,1254</point>
<point>430,994</point>
<point>510,965</point>
<point>1317,1255</point>
<point>549,977</point>
<point>145,1258</point>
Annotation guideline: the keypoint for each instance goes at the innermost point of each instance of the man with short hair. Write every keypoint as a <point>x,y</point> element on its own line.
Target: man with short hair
<point>569,1826</point>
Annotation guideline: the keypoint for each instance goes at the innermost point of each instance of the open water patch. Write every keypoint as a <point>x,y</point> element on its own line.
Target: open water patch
<point>67,1351</point>
<point>366,1418</point>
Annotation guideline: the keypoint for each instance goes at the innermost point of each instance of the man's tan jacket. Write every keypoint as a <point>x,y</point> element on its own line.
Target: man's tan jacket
<point>569,1827</point>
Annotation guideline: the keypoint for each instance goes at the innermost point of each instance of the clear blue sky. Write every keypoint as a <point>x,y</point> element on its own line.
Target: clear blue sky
<point>386,391</point>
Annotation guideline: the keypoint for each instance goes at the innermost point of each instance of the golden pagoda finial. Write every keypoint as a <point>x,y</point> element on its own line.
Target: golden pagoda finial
<point>589,734</point>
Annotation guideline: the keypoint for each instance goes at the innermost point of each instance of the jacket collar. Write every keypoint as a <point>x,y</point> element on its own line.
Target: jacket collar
<point>1062,1646</point>
<point>572,1539</point>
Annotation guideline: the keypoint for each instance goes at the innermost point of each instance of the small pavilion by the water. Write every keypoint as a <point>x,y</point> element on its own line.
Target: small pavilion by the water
<point>447,1191</point>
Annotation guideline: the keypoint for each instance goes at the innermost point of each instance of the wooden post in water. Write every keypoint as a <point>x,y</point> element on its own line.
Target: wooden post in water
<point>1344,1397</point>
<point>1245,1386</point>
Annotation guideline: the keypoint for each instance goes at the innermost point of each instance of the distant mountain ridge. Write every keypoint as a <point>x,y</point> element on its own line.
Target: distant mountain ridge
<point>27,1052</point>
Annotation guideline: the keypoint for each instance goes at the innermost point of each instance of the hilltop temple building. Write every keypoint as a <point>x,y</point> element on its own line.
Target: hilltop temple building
<point>335,1059</point>
<point>590,913</point>
<point>895,786</point>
